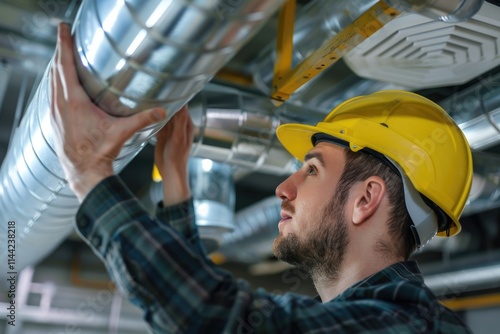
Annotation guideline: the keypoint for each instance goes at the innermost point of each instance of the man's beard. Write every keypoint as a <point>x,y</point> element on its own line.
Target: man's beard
<point>321,252</point>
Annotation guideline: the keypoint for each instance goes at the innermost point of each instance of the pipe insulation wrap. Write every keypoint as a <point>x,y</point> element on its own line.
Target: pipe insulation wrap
<point>130,55</point>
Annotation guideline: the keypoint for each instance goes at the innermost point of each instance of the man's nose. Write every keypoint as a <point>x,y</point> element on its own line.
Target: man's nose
<point>287,190</point>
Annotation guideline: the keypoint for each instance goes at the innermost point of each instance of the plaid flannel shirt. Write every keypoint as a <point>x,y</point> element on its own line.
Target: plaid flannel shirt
<point>160,265</point>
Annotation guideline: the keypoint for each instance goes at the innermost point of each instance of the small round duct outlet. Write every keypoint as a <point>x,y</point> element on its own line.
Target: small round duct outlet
<point>214,199</point>
<point>416,52</point>
<point>213,192</point>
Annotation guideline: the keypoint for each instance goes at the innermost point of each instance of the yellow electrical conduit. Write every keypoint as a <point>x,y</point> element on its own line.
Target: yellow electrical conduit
<point>472,302</point>
<point>286,80</point>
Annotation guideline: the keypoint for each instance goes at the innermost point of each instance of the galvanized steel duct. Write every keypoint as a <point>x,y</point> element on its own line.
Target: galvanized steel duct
<point>485,190</point>
<point>443,10</point>
<point>130,55</point>
<point>212,188</point>
<point>255,229</point>
<point>239,128</point>
<point>476,110</point>
<point>456,282</point>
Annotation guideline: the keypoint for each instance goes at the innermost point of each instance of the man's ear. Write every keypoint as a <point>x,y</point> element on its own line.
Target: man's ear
<point>369,195</point>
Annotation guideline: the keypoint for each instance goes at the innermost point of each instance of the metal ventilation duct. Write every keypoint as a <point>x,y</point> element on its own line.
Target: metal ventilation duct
<point>5,72</point>
<point>212,187</point>
<point>456,282</point>
<point>476,110</point>
<point>240,129</point>
<point>485,190</point>
<point>255,229</point>
<point>443,10</point>
<point>415,51</point>
<point>130,55</point>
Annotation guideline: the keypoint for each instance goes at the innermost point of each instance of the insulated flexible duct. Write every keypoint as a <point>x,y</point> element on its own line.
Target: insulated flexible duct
<point>130,55</point>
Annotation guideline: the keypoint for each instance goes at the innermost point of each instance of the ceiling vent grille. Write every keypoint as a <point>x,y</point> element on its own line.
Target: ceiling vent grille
<point>417,52</point>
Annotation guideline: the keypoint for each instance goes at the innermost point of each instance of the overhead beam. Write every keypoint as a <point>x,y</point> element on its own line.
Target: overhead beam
<point>286,82</point>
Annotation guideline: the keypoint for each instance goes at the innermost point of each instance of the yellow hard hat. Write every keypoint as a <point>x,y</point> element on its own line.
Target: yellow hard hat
<point>416,135</point>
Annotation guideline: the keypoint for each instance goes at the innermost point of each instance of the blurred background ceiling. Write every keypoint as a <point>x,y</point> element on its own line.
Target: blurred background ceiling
<point>453,64</point>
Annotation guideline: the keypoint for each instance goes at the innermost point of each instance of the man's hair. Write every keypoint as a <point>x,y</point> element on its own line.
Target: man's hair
<point>358,167</point>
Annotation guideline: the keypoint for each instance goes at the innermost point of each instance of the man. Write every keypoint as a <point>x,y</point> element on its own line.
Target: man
<point>351,216</point>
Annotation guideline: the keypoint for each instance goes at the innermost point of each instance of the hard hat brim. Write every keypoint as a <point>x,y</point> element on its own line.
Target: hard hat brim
<point>297,138</point>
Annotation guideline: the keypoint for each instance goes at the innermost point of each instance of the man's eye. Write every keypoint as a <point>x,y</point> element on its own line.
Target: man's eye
<point>311,170</point>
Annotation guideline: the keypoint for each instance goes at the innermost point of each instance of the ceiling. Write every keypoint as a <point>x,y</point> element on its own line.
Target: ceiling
<point>27,41</point>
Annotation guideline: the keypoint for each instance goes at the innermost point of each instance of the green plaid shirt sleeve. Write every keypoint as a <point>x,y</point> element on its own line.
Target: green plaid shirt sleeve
<point>158,265</point>
<point>181,218</point>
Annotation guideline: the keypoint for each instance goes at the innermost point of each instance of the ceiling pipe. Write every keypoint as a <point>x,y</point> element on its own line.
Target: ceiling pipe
<point>476,110</point>
<point>485,190</point>
<point>130,55</point>
<point>454,283</point>
<point>442,10</point>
